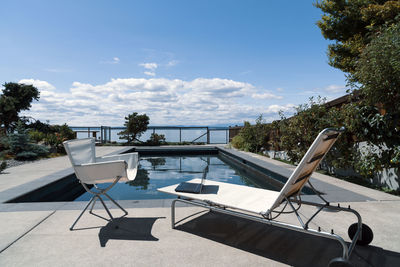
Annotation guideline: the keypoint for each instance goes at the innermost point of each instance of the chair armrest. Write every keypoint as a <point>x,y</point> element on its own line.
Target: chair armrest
<point>131,159</point>
<point>101,172</point>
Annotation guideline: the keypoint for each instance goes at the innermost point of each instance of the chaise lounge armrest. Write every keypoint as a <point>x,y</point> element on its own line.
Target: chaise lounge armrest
<point>101,172</point>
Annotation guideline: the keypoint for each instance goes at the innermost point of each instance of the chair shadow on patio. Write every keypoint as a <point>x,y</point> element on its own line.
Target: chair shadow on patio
<point>278,244</point>
<point>126,228</point>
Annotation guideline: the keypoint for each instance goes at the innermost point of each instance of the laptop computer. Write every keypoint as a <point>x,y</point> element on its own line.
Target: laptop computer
<point>195,188</point>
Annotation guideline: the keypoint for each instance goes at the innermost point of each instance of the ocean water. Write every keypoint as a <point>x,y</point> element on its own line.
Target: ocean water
<point>217,135</point>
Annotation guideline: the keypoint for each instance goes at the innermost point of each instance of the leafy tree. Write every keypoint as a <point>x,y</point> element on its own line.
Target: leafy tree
<point>352,24</point>
<point>378,70</point>
<point>15,98</point>
<point>135,125</point>
<point>40,126</point>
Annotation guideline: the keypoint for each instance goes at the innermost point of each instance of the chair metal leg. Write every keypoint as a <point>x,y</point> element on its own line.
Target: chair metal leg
<point>113,201</point>
<point>105,207</point>
<point>94,202</point>
<point>80,215</point>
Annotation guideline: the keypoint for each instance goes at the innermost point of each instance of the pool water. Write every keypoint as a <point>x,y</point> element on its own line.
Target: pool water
<point>156,172</point>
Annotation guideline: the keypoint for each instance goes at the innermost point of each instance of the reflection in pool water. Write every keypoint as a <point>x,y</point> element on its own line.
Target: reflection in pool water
<point>156,172</point>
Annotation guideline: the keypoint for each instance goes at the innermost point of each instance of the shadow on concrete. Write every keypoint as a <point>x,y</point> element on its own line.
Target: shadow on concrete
<point>128,229</point>
<point>282,245</point>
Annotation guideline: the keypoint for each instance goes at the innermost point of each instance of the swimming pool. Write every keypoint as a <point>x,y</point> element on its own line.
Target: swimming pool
<point>159,171</point>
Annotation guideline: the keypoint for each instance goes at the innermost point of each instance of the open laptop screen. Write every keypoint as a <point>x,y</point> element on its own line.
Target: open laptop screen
<point>192,187</point>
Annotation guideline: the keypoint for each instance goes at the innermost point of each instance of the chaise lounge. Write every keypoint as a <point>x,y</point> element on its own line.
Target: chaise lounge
<point>265,206</point>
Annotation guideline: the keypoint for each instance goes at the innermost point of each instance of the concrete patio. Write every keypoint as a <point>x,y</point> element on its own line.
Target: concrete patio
<point>38,233</point>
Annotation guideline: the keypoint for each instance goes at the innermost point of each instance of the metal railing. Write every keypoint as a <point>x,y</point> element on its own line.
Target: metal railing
<point>190,134</point>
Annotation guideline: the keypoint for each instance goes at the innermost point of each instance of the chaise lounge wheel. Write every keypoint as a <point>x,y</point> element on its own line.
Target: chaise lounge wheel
<point>340,262</point>
<point>366,234</point>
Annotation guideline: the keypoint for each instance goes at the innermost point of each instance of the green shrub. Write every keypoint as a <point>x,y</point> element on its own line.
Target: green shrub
<point>21,147</point>
<point>156,139</point>
<point>238,142</point>
<point>36,136</point>
<point>253,137</point>
<point>3,165</point>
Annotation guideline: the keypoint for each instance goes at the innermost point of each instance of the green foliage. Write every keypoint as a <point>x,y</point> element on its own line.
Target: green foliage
<point>40,126</point>
<point>141,181</point>
<point>252,137</point>
<point>156,139</point>
<point>15,98</point>
<point>238,142</point>
<point>36,136</point>
<point>20,146</point>
<point>3,165</point>
<point>51,135</point>
<point>352,24</point>
<point>378,71</point>
<point>367,47</point>
<point>135,125</point>
<point>299,132</point>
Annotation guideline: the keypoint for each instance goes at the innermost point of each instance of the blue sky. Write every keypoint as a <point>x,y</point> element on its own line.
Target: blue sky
<point>180,62</point>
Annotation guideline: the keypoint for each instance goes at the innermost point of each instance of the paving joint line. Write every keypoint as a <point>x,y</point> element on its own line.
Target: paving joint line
<point>24,234</point>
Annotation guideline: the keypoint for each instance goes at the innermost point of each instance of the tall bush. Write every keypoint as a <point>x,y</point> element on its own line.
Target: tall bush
<point>20,145</point>
<point>252,137</point>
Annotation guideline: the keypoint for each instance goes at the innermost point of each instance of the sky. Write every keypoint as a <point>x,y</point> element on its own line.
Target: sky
<point>181,62</point>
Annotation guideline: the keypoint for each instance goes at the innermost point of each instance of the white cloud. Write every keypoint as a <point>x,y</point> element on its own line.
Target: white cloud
<point>43,85</point>
<point>115,60</point>
<point>331,91</point>
<point>266,96</point>
<point>335,88</point>
<point>166,101</point>
<point>149,66</point>
<point>150,73</point>
<point>56,70</point>
<point>172,63</point>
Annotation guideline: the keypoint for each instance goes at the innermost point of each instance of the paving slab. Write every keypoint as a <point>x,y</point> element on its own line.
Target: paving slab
<point>13,225</point>
<point>38,233</point>
<point>145,238</point>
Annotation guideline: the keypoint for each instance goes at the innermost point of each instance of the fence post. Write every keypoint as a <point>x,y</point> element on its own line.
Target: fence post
<point>208,136</point>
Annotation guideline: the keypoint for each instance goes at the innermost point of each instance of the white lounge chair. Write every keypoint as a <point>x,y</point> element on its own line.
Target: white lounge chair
<point>92,170</point>
<point>266,205</point>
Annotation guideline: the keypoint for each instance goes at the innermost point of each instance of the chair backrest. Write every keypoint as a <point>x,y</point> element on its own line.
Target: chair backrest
<point>80,150</point>
<point>317,151</point>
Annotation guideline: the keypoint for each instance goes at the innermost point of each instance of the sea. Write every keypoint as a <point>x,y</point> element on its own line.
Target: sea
<point>218,134</point>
